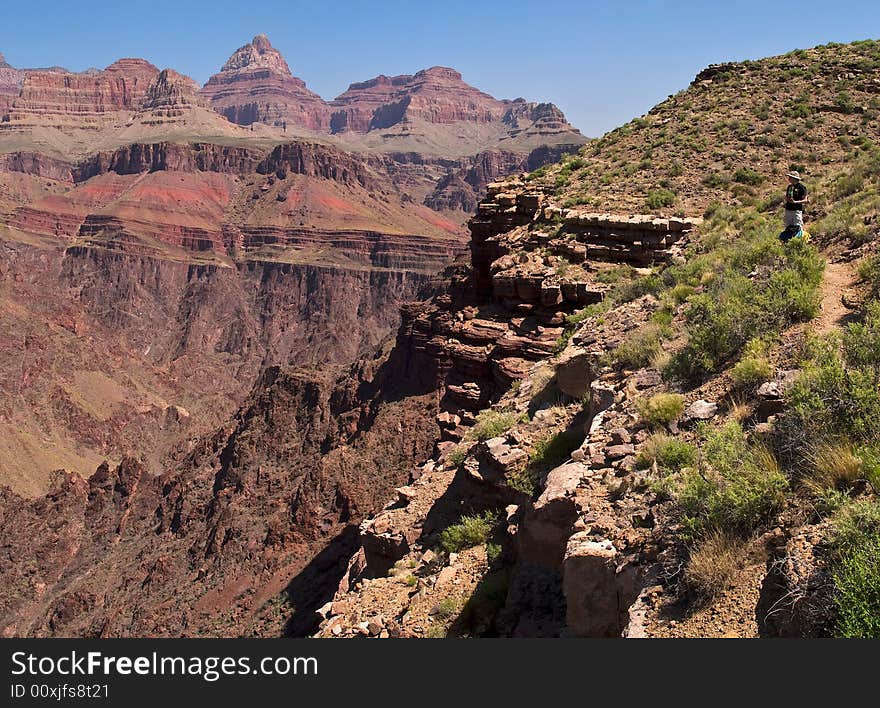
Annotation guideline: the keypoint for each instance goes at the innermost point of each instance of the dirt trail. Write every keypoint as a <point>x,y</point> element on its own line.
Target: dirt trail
<point>838,278</point>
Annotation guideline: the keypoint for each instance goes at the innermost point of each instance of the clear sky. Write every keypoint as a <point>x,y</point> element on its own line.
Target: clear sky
<point>602,62</point>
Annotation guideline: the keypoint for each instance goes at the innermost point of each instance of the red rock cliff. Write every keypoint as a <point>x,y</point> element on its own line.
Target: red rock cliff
<point>256,85</point>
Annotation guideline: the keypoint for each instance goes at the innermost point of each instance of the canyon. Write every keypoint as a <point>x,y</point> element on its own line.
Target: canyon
<point>200,290</point>
<point>413,362</point>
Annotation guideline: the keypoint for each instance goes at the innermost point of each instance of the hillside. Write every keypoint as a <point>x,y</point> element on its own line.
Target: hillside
<point>732,134</point>
<point>631,412</point>
<point>693,454</point>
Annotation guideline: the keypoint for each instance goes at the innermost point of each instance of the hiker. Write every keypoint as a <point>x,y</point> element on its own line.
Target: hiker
<point>795,198</point>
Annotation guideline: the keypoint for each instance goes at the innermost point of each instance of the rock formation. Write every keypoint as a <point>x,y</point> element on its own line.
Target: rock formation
<point>435,95</point>
<point>256,85</point>
<point>10,85</point>
<point>60,99</point>
<point>183,287</point>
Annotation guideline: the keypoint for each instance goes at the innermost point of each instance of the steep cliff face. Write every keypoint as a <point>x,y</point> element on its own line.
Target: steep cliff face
<point>243,536</point>
<point>10,85</point>
<point>197,261</point>
<point>256,85</point>
<point>435,95</point>
<point>55,98</point>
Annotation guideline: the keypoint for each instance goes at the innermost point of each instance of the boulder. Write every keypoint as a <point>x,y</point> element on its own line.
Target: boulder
<point>617,452</point>
<point>547,524</point>
<point>601,397</point>
<point>699,410</point>
<point>589,582</point>
<point>574,373</point>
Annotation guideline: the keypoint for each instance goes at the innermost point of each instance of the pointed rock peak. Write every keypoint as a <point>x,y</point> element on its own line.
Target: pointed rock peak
<point>3,63</point>
<point>171,88</point>
<point>261,43</point>
<point>259,54</point>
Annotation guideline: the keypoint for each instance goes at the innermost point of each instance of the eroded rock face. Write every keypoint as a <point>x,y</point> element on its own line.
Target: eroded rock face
<point>58,99</point>
<point>10,85</point>
<point>256,513</point>
<point>435,95</point>
<point>256,85</point>
<point>171,90</point>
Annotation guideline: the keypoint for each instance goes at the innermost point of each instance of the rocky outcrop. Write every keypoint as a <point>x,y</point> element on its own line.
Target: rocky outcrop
<point>597,597</point>
<point>60,99</point>
<point>314,160</point>
<point>435,95</point>
<point>465,187</point>
<point>165,156</point>
<point>37,165</point>
<point>10,85</point>
<point>256,85</point>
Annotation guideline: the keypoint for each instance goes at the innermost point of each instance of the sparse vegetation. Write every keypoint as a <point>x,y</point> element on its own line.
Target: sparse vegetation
<point>671,454</point>
<point>743,302</point>
<point>637,350</point>
<point>835,466</point>
<point>491,423</point>
<point>470,531</point>
<point>661,409</point>
<point>739,489</point>
<point>712,564</point>
<point>457,455</point>
<point>552,451</point>
<point>753,369</point>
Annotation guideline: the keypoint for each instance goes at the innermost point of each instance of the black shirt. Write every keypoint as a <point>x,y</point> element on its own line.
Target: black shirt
<point>795,192</point>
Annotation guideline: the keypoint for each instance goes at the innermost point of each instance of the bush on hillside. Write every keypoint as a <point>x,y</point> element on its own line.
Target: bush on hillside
<point>661,409</point>
<point>737,308</point>
<point>491,424</point>
<point>741,489</point>
<point>659,198</point>
<point>670,454</point>
<point>470,531</point>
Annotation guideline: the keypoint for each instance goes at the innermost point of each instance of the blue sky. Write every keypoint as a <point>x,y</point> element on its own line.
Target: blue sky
<point>602,62</point>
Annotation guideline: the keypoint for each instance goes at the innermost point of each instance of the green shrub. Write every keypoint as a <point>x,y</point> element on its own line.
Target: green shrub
<point>491,424</point>
<point>737,308</point>
<point>746,175</point>
<point>470,531</point>
<point>853,524</point>
<point>493,553</point>
<point>659,198</point>
<point>457,455</point>
<point>857,591</point>
<point>637,350</point>
<point>447,608</point>
<point>681,292</point>
<point>750,372</point>
<point>670,454</point>
<point>661,409</point>
<point>869,272</point>
<point>835,396</point>
<point>741,490</point>
<point>861,341</point>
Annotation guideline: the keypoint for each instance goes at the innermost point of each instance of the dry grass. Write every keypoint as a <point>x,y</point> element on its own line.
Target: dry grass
<point>740,410</point>
<point>834,466</point>
<point>661,359</point>
<point>712,565</point>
